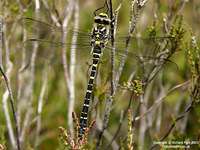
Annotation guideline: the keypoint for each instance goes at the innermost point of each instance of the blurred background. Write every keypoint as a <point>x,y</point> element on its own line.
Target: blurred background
<point>46,92</point>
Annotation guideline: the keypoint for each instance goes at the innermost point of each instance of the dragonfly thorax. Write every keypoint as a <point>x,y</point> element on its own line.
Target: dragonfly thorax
<point>100,31</point>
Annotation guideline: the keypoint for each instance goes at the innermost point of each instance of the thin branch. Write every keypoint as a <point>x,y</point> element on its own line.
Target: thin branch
<point>113,87</point>
<point>109,137</point>
<point>160,99</point>
<point>118,129</point>
<point>13,107</point>
<point>44,80</point>
<point>127,45</point>
<point>19,76</point>
<point>116,16</point>
<point>127,88</point>
<point>182,6</point>
<point>55,20</point>
<point>154,10</point>
<point>109,103</point>
<point>160,108</point>
<point>6,94</point>
<point>169,13</point>
<point>32,78</point>
<point>136,118</point>
<point>69,10</point>
<point>185,120</point>
<point>189,109</point>
<point>72,70</point>
<point>143,122</point>
<point>131,28</point>
<point>112,92</point>
<point>180,100</point>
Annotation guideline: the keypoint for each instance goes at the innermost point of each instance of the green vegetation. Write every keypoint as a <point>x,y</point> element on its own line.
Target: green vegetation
<point>154,104</point>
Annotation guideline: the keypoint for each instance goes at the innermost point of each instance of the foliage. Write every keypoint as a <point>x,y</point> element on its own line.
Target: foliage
<point>130,141</point>
<point>134,86</point>
<point>194,61</point>
<point>76,142</point>
<point>130,134</point>
<point>45,91</point>
<point>2,139</point>
<point>176,140</point>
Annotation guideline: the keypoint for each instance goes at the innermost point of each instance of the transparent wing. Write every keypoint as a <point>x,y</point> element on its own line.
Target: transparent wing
<point>54,50</point>
<point>38,28</point>
<point>49,41</point>
<point>140,53</point>
<point>149,46</point>
<point>146,56</point>
<point>144,53</point>
<point>42,30</point>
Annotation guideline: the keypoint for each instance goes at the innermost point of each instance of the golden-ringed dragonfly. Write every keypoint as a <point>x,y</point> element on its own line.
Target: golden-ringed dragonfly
<point>146,54</point>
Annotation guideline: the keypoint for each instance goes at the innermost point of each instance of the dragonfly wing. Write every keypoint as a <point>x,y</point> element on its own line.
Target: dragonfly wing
<point>38,28</point>
<point>53,51</point>
<point>144,55</point>
<point>43,30</point>
<point>48,40</point>
<point>146,46</point>
<point>153,51</point>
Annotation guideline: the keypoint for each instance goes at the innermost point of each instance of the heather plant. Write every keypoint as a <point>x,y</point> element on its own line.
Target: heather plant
<point>194,61</point>
<point>76,142</point>
<point>157,88</point>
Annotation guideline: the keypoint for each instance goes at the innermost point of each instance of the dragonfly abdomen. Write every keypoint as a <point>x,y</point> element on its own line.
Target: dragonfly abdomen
<point>99,39</point>
<point>84,114</point>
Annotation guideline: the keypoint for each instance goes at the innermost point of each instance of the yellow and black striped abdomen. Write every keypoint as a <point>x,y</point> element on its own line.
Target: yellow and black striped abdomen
<point>84,114</point>
<point>99,36</point>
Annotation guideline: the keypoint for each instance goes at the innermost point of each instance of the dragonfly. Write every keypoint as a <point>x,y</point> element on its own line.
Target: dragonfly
<point>143,52</point>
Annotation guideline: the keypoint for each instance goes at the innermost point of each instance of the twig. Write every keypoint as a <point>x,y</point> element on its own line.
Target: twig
<point>109,137</point>
<point>109,104</point>
<point>160,99</point>
<point>69,10</point>
<point>55,20</point>
<point>143,121</point>
<point>13,107</point>
<point>116,16</point>
<point>159,118</point>
<point>160,108</point>
<point>113,87</point>
<point>136,118</point>
<point>154,10</point>
<point>136,114</point>
<point>19,90</point>
<point>112,50</point>
<point>182,6</point>
<point>6,94</point>
<point>44,80</point>
<point>180,100</point>
<point>127,45</point>
<point>169,13</point>
<point>72,69</point>
<point>32,78</point>
<point>131,28</point>
<point>185,120</point>
<point>128,86</point>
<point>118,129</point>
<point>189,109</point>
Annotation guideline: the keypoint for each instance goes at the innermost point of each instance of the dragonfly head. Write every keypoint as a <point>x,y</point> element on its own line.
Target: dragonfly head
<point>102,18</point>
